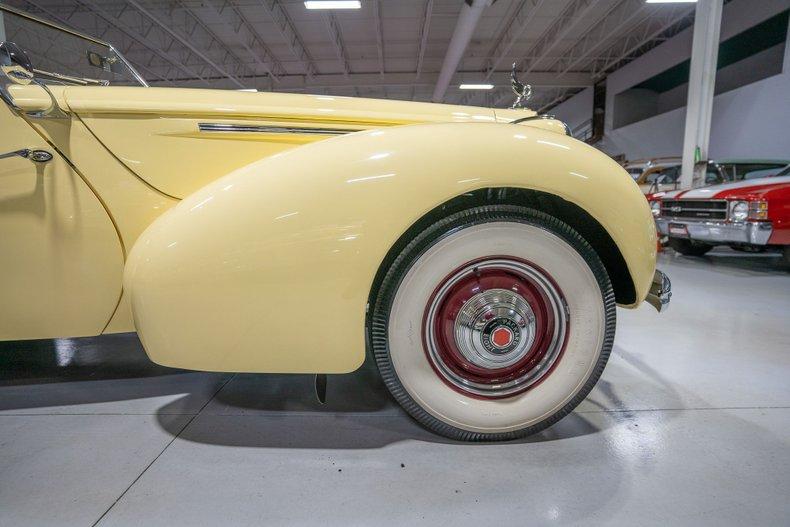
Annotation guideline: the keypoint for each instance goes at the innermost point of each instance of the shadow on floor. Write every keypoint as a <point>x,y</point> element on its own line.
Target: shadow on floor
<point>340,431</point>
<point>359,413</point>
<point>734,263</point>
<point>71,360</point>
<point>77,373</point>
<point>606,397</point>
<point>278,411</point>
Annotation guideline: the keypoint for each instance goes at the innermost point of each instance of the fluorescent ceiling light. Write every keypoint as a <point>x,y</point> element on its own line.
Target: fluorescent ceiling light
<point>333,4</point>
<point>671,1</point>
<point>476,86</point>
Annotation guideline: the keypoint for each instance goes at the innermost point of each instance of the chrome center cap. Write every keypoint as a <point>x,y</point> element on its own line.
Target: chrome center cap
<point>501,335</point>
<point>495,328</point>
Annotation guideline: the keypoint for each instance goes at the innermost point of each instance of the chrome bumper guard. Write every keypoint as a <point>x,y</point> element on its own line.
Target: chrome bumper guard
<point>660,292</point>
<point>713,232</point>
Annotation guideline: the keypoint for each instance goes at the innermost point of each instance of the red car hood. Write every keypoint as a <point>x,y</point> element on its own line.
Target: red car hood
<point>739,189</point>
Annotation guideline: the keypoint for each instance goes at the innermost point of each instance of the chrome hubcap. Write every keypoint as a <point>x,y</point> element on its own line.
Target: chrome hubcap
<point>495,327</point>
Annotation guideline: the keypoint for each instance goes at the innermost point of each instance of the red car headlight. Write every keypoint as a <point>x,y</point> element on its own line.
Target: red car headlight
<point>748,210</point>
<point>758,210</point>
<point>655,207</point>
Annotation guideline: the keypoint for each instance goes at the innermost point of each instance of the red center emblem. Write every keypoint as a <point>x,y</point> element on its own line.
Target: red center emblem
<point>501,337</point>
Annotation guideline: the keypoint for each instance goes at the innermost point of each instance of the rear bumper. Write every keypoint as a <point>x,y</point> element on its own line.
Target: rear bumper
<point>660,292</point>
<point>720,232</point>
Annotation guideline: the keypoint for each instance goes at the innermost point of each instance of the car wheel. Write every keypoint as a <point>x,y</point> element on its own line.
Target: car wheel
<point>493,323</point>
<point>689,247</point>
<point>786,254</point>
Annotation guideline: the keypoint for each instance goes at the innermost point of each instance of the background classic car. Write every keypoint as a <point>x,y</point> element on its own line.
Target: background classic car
<point>752,214</point>
<point>658,178</point>
<point>473,251</point>
<point>637,167</point>
<point>666,177</point>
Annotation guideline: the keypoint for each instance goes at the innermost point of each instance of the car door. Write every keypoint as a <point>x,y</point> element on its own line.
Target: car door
<point>61,261</point>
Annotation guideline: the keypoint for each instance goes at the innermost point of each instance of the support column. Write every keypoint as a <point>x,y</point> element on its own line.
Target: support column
<point>786,65</point>
<point>702,81</point>
<point>464,29</point>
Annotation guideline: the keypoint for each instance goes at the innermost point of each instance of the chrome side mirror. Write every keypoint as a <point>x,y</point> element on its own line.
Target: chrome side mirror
<point>15,63</point>
<point>16,68</point>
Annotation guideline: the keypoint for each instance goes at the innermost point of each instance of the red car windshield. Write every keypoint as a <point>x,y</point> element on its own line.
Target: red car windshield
<point>741,171</point>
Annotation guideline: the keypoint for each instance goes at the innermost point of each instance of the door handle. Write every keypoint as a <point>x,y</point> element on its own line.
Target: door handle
<point>38,156</point>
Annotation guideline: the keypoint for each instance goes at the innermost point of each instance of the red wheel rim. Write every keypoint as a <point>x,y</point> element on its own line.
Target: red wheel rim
<point>495,327</point>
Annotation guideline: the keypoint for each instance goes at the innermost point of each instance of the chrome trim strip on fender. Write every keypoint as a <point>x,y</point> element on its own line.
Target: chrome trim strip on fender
<point>252,128</point>
<point>660,292</point>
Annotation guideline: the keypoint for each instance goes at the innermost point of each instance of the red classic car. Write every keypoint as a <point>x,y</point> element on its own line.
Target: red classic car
<point>752,214</point>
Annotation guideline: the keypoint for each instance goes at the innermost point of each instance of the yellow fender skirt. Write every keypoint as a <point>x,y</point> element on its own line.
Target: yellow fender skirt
<point>269,268</point>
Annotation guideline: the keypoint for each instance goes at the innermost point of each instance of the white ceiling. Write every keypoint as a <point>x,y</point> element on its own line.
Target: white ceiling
<point>389,48</point>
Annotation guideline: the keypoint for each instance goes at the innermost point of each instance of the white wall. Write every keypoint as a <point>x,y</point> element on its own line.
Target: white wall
<point>577,110</point>
<point>751,121</point>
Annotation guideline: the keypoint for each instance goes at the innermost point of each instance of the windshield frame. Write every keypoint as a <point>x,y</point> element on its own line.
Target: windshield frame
<point>66,78</point>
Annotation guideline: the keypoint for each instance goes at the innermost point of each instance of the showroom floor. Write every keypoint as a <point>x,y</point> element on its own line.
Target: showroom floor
<point>690,424</point>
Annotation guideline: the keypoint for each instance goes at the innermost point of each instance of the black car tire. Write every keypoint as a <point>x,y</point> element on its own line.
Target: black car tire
<point>400,305</point>
<point>689,247</point>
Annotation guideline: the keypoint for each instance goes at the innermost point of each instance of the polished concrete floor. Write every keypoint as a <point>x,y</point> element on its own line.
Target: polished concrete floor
<point>690,424</point>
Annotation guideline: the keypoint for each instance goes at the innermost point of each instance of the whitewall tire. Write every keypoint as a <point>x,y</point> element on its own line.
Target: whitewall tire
<point>493,323</point>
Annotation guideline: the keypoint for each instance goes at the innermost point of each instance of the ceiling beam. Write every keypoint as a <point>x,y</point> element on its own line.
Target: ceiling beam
<point>562,26</point>
<point>242,68</point>
<point>623,15</point>
<point>462,34</point>
<point>33,8</point>
<point>377,80</point>
<point>621,50</point>
<point>247,36</point>
<point>654,27</point>
<point>132,32</point>
<point>333,27</point>
<point>280,17</point>
<point>426,24</point>
<point>379,34</point>
<point>506,40</point>
<point>518,25</point>
<point>184,42</point>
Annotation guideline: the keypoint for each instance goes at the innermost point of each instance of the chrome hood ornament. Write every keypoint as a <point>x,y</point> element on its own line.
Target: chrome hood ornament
<point>523,91</point>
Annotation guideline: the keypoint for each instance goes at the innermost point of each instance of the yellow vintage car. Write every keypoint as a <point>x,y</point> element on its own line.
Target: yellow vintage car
<point>475,254</point>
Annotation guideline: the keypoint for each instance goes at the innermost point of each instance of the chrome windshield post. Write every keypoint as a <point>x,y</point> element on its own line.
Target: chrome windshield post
<point>136,74</point>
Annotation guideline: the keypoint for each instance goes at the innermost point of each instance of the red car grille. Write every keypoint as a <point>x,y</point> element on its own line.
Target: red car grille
<point>694,209</point>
